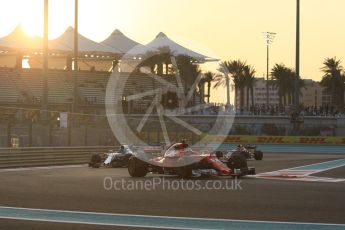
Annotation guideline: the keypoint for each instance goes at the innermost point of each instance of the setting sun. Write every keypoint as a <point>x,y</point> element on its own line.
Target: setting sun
<point>32,28</point>
<point>29,15</point>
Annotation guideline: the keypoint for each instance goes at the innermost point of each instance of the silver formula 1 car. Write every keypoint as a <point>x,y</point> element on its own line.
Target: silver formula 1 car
<point>114,158</point>
<point>248,151</point>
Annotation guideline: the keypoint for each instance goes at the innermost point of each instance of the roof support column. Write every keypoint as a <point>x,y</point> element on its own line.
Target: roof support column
<point>44,99</point>
<point>75,62</point>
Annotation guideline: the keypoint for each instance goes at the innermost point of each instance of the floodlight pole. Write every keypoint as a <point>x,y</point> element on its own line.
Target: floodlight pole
<point>295,115</point>
<point>75,35</point>
<point>296,96</point>
<point>45,62</point>
<point>269,37</point>
<point>75,75</point>
<point>45,36</point>
<point>267,74</point>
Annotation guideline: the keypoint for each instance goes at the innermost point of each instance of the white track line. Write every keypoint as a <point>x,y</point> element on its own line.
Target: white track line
<point>148,221</point>
<point>41,168</point>
<point>302,173</point>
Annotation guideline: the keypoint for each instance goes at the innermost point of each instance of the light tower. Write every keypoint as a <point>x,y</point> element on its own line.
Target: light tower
<point>296,96</point>
<point>269,38</point>
<point>296,116</point>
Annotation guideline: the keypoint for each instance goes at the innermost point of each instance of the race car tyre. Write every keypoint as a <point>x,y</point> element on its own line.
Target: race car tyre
<point>184,172</point>
<point>185,168</point>
<point>246,154</point>
<point>96,161</point>
<point>116,164</point>
<point>258,155</point>
<point>219,154</point>
<point>137,167</point>
<point>237,161</point>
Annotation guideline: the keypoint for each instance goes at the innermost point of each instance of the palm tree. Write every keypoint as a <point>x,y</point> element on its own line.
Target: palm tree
<point>156,60</point>
<point>223,80</point>
<point>232,69</point>
<point>281,74</point>
<point>292,80</point>
<point>201,87</point>
<point>334,81</point>
<point>151,60</point>
<point>290,84</point>
<point>249,76</point>
<point>188,71</point>
<point>284,79</point>
<point>195,72</point>
<point>208,78</point>
<point>236,68</point>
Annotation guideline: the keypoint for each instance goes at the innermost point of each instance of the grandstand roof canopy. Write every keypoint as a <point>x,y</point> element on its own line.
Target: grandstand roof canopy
<point>4,44</point>
<point>117,44</point>
<point>164,42</point>
<point>18,39</point>
<point>120,42</point>
<point>85,45</point>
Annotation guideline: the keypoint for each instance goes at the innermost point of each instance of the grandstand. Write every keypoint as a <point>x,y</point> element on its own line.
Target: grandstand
<point>78,89</point>
<point>26,86</point>
<point>23,83</point>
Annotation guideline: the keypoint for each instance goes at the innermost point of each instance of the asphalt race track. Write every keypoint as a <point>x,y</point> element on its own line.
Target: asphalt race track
<point>82,189</point>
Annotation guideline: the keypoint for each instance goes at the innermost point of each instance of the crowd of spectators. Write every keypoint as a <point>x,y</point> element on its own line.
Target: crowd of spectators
<point>324,111</point>
<point>274,110</point>
<point>257,110</point>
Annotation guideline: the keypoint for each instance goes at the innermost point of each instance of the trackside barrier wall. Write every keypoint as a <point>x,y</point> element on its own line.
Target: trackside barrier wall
<point>277,140</point>
<point>293,148</point>
<point>42,156</point>
<point>283,144</point>
<point>30,157</point>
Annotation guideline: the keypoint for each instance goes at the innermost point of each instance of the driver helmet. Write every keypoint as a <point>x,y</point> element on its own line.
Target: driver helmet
<point>184,144</point>
<point>240,147</point>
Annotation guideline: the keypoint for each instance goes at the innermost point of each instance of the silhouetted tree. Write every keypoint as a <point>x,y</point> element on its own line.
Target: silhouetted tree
<point>209,76</point>
<point>249,77</point>
<point>284,80</point>
<point>334,81</point>
<point>232,69</point>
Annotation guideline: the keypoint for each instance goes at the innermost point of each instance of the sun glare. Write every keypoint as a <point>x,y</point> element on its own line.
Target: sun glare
<point>29,15</point>
<point>33,28</point>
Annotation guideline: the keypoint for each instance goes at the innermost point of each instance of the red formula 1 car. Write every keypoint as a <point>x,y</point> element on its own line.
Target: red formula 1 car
<point>182,161</point>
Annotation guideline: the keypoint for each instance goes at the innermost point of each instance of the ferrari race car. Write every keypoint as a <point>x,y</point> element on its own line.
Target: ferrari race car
<point>113,158</point>
<point>248,151</point>
<point>182,161</point>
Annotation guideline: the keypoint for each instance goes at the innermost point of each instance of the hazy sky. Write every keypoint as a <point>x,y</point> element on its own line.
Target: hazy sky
<point>225,29</point>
